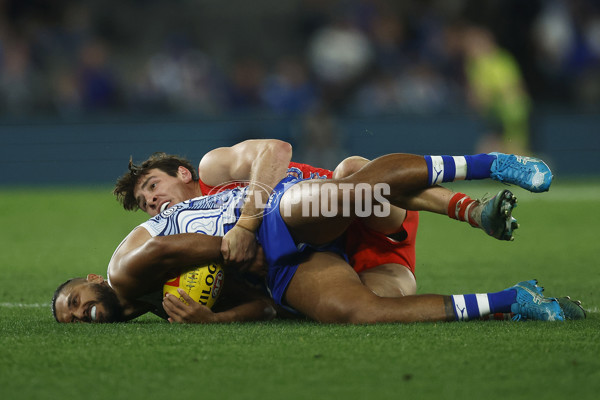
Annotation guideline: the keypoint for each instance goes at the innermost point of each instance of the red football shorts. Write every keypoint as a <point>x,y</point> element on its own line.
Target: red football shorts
<point>367,249</point>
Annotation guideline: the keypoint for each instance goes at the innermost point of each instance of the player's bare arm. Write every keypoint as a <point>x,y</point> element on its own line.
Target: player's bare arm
<point>239,303</point>
<point>264,163</point>
<point>142,262</point>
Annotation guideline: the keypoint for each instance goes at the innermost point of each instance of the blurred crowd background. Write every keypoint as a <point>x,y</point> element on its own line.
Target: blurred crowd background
<point>314,62</point>
<point>365,57</point>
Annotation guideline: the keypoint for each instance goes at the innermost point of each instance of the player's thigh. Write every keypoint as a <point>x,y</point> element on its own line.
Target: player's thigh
<point>389,280</point>
<point>325,288</point>
<point>386,225</point>
<point>312,214</point>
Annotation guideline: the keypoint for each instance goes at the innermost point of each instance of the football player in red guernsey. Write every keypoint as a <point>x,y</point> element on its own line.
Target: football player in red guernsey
<point>381,250</point>
<point>323,286</point>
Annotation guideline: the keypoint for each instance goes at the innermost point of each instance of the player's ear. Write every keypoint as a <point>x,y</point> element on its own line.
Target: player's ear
<point>93,278</point>
<point>185,174</point>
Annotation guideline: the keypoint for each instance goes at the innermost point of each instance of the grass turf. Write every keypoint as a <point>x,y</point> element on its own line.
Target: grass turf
<point>54,234</point>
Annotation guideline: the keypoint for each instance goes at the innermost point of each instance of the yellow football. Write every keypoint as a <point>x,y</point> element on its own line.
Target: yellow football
<point>202,284</point>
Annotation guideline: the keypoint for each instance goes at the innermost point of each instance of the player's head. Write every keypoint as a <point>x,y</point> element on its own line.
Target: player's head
<point>88,299</point>
<point>159,179</point>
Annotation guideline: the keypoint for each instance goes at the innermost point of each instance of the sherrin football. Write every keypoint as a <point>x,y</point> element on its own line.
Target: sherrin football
<point>202,284</point>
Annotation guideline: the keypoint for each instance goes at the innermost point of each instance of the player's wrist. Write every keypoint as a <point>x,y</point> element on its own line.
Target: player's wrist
<point>224,317</point>
<point>250,224</point>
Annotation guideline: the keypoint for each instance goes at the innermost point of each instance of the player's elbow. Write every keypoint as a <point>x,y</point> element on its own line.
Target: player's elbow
<point>280,151</point>
<point>269,312</point>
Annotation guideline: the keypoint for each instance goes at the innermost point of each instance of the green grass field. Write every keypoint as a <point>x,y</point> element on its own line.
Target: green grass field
<point>50,235</point>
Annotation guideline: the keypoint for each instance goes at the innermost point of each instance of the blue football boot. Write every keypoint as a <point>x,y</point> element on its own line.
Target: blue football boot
<point>530,304</point>
<point>496,215</point>
<point>529,173</point>
<point>572,308</point>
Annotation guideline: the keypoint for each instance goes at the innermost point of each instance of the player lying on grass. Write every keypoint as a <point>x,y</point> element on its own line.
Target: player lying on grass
<point>307,272</point>
<point>381,250</point>
<point>385,263</point>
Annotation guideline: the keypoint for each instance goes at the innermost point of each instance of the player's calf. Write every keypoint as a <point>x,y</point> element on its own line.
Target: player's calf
<point>493,215</point>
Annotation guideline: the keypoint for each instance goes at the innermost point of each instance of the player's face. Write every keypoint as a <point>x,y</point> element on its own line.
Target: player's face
<point>156,191</point>
<point>88,302</point>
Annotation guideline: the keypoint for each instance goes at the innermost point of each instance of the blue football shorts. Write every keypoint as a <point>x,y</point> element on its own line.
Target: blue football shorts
<point>282,253</point>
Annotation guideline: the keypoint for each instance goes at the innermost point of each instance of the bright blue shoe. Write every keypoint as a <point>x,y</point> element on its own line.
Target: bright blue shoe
<point>572,308</point>
<point>496,215</point>
<point>530,173</point>
<point>531,284</point>
<point>530,304</point>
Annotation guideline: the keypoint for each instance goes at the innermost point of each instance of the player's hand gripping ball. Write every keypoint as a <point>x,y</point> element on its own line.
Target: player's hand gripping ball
<point>202,284</point>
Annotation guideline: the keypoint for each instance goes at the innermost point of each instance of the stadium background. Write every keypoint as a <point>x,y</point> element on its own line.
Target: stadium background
<point>86,84</point>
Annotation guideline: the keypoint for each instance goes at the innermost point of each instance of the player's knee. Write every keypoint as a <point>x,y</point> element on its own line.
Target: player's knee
<point>349,166</point>
<point>389,280</point>
<point>401,289</point>
<point>390,291</point>
<point>363,310</point>
<point>334,310</point>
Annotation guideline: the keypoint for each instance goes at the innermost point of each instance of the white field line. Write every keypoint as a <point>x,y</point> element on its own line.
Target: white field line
<point>567,192</point>
<point>23,305</point>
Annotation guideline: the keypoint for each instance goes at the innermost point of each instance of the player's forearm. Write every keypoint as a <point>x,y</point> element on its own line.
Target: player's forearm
<point>256,310</point>
<point>268,168</point>
<point>182,250</point>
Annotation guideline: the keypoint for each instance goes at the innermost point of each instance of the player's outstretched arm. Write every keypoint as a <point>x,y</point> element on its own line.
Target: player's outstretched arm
<point>142,262</point>
<point>264,163</point>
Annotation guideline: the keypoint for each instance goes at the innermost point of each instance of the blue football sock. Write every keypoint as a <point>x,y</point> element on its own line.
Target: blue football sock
<point>452,168</point>
<point>473,306</point>
<point>478,166</point>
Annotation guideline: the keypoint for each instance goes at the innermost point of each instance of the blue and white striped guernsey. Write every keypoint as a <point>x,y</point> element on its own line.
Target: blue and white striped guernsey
<point>211,215</point>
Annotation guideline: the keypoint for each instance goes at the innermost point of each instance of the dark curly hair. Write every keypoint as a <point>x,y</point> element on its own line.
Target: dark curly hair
<point>165,162</point>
